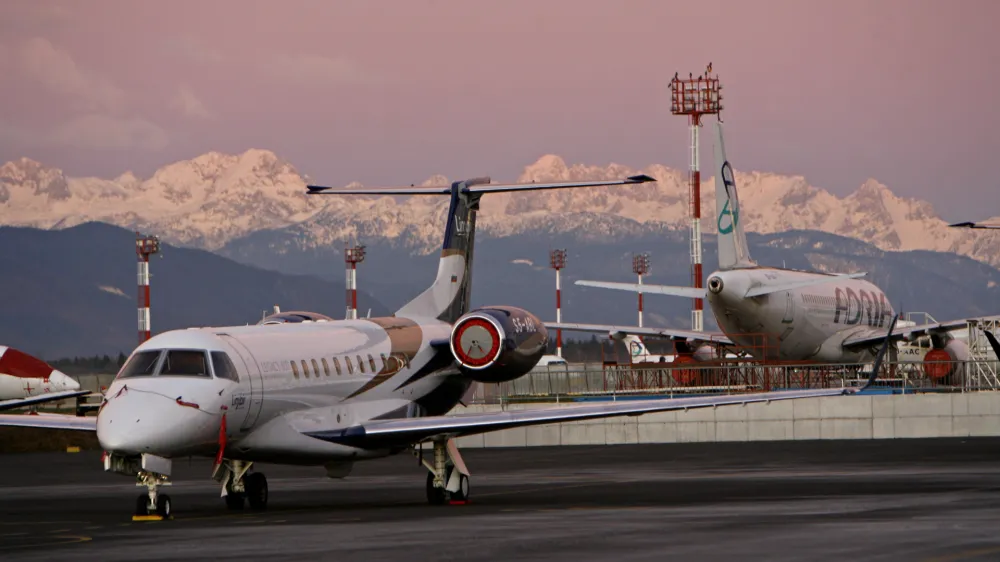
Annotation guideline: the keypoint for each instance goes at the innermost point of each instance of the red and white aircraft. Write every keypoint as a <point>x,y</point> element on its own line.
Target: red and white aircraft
<point>27,380</point>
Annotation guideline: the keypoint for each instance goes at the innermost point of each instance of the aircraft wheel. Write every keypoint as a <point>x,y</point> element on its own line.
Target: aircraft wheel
<point>463,489</point>
<point>234,501</point>
<point>163,505</point>
<point>435,496</point>
<point>256,486</point>
<point>142,505</point>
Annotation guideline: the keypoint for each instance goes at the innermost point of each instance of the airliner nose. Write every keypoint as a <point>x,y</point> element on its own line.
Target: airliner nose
<point>62,381</point>
<point>136,421</point>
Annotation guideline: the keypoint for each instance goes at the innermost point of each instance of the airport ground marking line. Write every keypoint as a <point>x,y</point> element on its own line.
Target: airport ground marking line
<point>965,554</point>
<point>71,539</point>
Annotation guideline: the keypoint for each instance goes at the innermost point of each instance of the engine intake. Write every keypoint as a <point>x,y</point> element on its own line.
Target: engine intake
<point>498,343</point>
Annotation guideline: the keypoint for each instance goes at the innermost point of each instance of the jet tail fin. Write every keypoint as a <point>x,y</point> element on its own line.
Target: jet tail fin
<point>449,295</point>
<point>733,250</point>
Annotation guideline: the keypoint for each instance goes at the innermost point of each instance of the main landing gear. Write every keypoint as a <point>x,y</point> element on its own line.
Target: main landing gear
<point>448,477</point>
<point>241,487</point>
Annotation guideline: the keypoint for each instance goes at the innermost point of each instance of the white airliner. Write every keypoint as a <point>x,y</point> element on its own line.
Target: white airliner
<point>29,381</point>
<point>334,392</point>
<point>780,314</point>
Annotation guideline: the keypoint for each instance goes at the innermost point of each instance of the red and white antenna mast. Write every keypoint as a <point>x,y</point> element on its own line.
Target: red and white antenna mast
<point>557,260</point>
<point>145,246</point>
<point>353,255</point>
<point>696,97</point>
<point>640,266</point>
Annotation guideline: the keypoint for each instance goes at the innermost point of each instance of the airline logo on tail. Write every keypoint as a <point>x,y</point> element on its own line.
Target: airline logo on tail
<point>732,212</point>
<point>461,227</point>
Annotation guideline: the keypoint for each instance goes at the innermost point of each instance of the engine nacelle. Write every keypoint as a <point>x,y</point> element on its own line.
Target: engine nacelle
<point>498,343</point>
<point>941,362</point>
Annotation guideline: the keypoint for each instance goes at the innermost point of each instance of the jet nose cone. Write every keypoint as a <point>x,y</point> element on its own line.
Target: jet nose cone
<point>63,381</point>
<point>135,422</point>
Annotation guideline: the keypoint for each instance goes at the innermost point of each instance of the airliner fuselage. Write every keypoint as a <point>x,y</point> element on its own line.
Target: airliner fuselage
<point>809,322</point>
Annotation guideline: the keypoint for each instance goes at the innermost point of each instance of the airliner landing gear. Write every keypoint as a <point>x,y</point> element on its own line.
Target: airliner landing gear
<point>240,488</point>
<point>152,502</point>
<point>150,472</point>
<point>448,477</point>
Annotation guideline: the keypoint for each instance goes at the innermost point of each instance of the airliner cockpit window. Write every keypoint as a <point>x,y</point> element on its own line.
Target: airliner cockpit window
<point>187,363</point>
<point>224,368</point>
<point>142,364</point>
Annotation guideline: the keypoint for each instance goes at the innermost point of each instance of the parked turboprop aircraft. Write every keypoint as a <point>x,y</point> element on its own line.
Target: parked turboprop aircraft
<point>333,392</point>
<point>28,381</point>
<point>780,314</point>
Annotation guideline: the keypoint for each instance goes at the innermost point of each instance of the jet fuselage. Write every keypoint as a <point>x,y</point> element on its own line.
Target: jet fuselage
<point>806,323</point>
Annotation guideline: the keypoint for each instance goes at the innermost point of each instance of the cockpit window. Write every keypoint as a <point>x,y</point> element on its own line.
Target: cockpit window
<point>186,363</point>
<point>142,364</point>
<point>224,368</point>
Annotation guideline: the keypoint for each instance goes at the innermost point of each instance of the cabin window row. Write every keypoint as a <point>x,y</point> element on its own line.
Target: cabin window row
<point>322,367</point>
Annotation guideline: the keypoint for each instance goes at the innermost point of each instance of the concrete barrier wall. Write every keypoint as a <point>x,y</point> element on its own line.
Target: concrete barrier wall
<point>836,417</point>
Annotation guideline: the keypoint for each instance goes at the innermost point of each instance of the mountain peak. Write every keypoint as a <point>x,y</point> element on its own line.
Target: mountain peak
<point>25,174</point>
<point>547,168</point>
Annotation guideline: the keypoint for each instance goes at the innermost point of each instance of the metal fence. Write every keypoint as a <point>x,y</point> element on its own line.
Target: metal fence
<point>583,381</point>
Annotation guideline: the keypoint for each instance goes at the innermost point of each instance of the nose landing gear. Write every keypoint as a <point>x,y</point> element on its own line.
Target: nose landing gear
<point>150,472</point>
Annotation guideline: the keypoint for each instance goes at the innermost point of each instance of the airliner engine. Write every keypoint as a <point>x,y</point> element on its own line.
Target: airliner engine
<point>945,359</point>
<point>498,343</point>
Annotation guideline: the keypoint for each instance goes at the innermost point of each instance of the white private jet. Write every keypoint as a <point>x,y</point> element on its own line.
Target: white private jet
<point>334,392</point>
<point>29,381</point>
<point>780,314</point>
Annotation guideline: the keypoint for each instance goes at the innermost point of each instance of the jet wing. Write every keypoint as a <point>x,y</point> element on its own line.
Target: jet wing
<point>874,336</point>
<point>382,433</point>
<point>50,421</point>
<point>715,337</point>
<point>40,399</point>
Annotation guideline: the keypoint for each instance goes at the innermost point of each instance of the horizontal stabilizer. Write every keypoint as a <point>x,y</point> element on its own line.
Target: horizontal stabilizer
<point>768,289</point>
<point>478,185</point>
<point>687,292</point>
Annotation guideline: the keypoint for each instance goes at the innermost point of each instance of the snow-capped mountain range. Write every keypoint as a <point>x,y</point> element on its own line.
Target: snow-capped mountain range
<point>216,198</point>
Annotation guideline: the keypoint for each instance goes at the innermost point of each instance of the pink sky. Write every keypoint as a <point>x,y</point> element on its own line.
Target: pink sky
<point>391,92</point>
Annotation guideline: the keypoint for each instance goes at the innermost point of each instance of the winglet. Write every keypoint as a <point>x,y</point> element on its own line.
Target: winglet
<point>641,178</point>
<point>993,342</point>
<point>881,354</point>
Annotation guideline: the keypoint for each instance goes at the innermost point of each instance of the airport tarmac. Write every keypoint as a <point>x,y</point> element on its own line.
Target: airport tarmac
<point>932,500</point>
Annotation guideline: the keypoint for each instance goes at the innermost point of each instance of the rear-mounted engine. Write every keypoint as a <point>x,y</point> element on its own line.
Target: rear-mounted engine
<point>498,343</point>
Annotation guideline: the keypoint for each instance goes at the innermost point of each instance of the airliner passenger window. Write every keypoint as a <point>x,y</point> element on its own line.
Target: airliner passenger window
<point>183,362</point>
<point>315,368</point>
<point>350,367</point>
<point>305,368</point>
<point>295,369</point>
<point>336,365</point>
<point>141,364</point>
<point>224,368</point>
<point>371,361</point>
<point>361,364</point>
<point>326,367</point>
